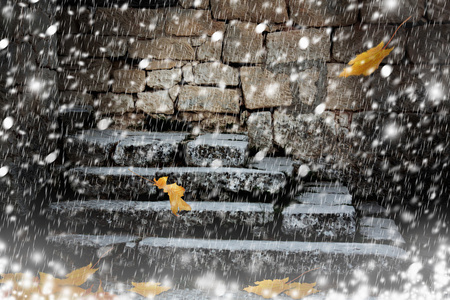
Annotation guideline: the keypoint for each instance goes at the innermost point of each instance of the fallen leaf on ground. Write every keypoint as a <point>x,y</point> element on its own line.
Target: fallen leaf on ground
<point>148,289</point>
<point>175,192</point>
<point>269,288</point>
<point>301,290</point>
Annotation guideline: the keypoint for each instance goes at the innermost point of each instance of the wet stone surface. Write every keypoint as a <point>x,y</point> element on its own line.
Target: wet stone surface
<point>380,230</point>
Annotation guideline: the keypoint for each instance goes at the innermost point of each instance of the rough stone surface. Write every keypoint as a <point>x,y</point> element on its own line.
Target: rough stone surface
<point>163,48</point>
<point>326,199</point>
<point>371,209</point>
<point>163,64</point>
<point>114,103</point>
<point>259,127</point>
<point>324,13</point>
<point>199,4</point>
<point>221,123</point>
<point>243,44</point>
<point>283,47</point>
<point>307,89</point>
<point>386,11</point>
<point>218,150</point>
<point>429,44</point>
<point>317,221</point>
<point>128,81</point>
<point>438,10</point>
<point>120,181</point>
<point>93,45</point>
<point>94,76</point>
<point>272,258</point>
<point>148,149</point>
<point>76,98</point>
<point>380,229</point>
<point>345,93</point>
<point>188,73</point>
<point>130,121</point>
<point>74,19</point>
<point>262,88</point>
<point>209,51</point>
<point>155,102</point>
<point>151,217</point>
<point>256,11</point>
<point>326,188</point>
<point>75,117</point>
<point>215,73</point>
<point>163,79</point>
<point>274,164</point>
<point>191,22</point>
<point>349,41</point>
<point>208,99</point>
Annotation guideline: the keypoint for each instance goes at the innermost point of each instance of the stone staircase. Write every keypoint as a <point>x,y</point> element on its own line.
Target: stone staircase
<point>250,220</point>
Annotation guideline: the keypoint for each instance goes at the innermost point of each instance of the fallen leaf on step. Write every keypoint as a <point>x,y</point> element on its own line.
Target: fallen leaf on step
<point>148,289</point>
<point>175,192</point>
<point>301,290</point>
<point>269,288</point>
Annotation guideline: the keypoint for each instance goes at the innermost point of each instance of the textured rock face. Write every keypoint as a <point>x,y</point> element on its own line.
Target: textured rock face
<point>155,102</point>
<point>93,45</point>
<point>385,11</point>
<point>255,11</point>
<point>209,51</point>
<point>163,79</point>
<point>381,230</point>
<point>438,10</point>
<point>215,73</point>
<point>128,81</point>
<point>262,88</point>
<point>243,44</point>
<point>430,44</point>
<point>163,48</point>
<point>260,133</point>
<point>324,13</point>
<point>121,182</point>
<point>191,22</point>
<point>307,90</point>
<point>288,46</point>
<point>141,149</point>
<point>115,103</point>
<point>93,77</point>
<point>199,4</point>
<point>274,164</point>
<point>227,150</point>
<point>208,99</point>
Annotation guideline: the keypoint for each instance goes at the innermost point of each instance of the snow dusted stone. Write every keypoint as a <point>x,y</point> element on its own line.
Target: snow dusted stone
<point>114,103</point>
<point>148,149</point>
<point>326,187</point>
<point>209,99</point>
<point>429,44</point>
<point>256,11</point>
<point>163,79</point>
<point>151,217</point>
<point>75,98</point>
<point>190,22</point>
<point>319,221</point>
<point>209,51</point>
<point>345,93</point>
<point>283,47</point>
<point>326,199</point>
<point>130,121</point>
<point>199,4</point>
<point>163,64</point>
<point>324,13</point>
<point>188,73</point>
<point>163,48</point>
<point>349,41</point>
<point>155,102</point>
<point>128,81</point>
<point>438,10</point>
<point>386,11</point>
<point>260,133</point>
<point>94,45</point>
<point>271,258</point>
<point>371,209</point>
<point>215,73</point>
<point>91,147</point>
<point>262,88</point>
<point>93,76</point>
<point>275,164</point>
<point>228,150</point>
<point>119,181</point>
<point>307,86</point>
<point>380,230</point>
<point>243,44</point>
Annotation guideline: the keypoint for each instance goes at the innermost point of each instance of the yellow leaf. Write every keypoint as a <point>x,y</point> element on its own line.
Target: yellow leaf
<point>78,276</point>
<point>99,295</point>
<point>367,62</point>
<point>148,289</point>
<point>301,290</point>
<point>269,288</point>
<point>20,284</point>
<point>175,192</point>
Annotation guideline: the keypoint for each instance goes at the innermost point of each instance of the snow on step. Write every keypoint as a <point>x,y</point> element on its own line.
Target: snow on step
<point>326,187</point>
<point>149,217</point>
<point>316,221</point>
<point>271,258</point>
<point>275,164</point>
<point>95,147</point>
<point>94,181</point>
<point>324,199</point>
<point>227,150</point>
<point>380,230</point>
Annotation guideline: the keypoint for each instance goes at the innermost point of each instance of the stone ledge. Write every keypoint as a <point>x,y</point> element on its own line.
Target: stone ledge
<point>324,199</point>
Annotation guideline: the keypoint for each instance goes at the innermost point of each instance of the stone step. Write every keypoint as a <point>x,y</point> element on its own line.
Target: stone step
<point>131,148</point>
<point>220,150</point>
<point>205,183</point>
<point>380,230</point>
<point>274,164</point>
<point>328,199</point>
<point>325,187</point>
<point>244,259</point>
<point>207,219</point>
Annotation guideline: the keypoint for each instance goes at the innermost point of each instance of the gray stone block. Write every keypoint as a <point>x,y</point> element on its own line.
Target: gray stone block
<point>273,11</point>
<point>324,199</point>
<point>275,164</point>
<point>326,187</point>
<point>380,230</point>
<point>319,221</point>
<point>324,13</point>
<point>260,133</point>
<point>386,11</point>
<point>227,150</point>
<point>243,44</point>
<point>119,181</point>
<point>429,44</point>
<point>148,148</point>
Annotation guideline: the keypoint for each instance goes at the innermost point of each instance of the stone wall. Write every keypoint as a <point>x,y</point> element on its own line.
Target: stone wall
<point>28,63</point>
<point>270,68</point>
